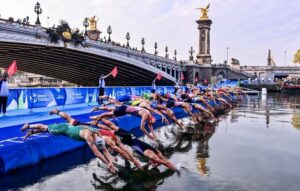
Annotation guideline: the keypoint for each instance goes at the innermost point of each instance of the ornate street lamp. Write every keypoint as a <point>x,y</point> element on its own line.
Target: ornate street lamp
<point>155,47</point>
<point>191,51</point>
<point>175,54</point>
<point>143,43</point>
<point>86,25</point>
<point>109,31</point>
<point>227,49</point>
<point>128,38</point>
<point>38,10</point>
<point>167,49</point>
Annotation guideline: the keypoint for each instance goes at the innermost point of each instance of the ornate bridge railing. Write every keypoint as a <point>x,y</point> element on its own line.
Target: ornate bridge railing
<point>24,33</point>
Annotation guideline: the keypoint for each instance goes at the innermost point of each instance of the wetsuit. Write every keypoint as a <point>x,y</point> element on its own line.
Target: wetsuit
<point>74,132</point>
<point>66,129</point>
<point>108,134</point>
<point>139,146</point>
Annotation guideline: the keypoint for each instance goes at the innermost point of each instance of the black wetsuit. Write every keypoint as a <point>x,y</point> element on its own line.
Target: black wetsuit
<point>139,146</point>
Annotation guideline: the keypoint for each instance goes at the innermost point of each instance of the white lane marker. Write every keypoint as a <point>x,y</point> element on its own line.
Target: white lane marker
<point>15,141</point>
<point>9,139</point>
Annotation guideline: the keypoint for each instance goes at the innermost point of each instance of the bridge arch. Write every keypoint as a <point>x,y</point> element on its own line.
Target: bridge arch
<point>197,77</point>
<point>78,65</point>
<point>221,75</point>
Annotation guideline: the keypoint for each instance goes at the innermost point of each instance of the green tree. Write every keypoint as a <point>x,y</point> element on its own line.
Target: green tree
<point>297,57</point>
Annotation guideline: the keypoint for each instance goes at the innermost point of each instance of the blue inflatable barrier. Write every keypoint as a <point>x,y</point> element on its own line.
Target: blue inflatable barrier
<point>16,154</point>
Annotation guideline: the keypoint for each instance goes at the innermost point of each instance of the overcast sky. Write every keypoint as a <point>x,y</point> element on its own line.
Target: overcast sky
<point>248,27</point>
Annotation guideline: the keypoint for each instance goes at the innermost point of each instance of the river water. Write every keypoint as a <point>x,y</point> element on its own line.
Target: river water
<point>254,146</point>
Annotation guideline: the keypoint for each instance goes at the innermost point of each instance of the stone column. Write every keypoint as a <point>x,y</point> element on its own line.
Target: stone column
<point>204,56</point>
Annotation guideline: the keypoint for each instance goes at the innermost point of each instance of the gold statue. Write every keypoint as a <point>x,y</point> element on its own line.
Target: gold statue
<point>93,23</point>
<point>204,12</point>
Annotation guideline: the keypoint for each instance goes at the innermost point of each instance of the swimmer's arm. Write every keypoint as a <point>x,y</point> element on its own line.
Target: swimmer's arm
<point>101,126</point>
<point>164,99</point>
<point>99,117</point>
<point>163,118</point>
<point>107,76</point>
<point>143,121</point>
<point>152,131</point>
<point>95,150</point>
<point>107,155</point>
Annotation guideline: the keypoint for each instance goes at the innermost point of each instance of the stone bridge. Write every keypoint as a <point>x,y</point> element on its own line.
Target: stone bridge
<point>271,72</point>
<point>30,46</point>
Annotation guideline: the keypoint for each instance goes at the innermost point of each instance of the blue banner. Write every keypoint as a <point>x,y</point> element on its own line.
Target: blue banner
<point>12,102</point>
<point>45,97</point>
<point>76,96</point>
<point>41,98</point>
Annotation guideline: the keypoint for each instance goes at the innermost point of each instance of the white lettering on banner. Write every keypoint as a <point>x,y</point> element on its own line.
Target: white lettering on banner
<point>75,96</point>
<point>59,97</point>
<point>39,98</point>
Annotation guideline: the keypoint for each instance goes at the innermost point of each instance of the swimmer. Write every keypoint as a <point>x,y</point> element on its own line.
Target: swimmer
<point>79,133</point>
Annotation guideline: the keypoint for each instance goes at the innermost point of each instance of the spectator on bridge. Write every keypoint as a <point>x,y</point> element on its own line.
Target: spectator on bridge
<point>102,87</point>
<point>4,88</point>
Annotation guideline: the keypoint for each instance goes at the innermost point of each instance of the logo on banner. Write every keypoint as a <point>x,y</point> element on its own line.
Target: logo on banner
<point>33,98</point>
<point>76,96</point>
<point>39,98</point>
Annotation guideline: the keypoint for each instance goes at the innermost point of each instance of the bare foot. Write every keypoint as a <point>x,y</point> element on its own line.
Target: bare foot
<point>28,134</point>
<point>94,109</point>
<point>25,127</point>
<point>54,111</point>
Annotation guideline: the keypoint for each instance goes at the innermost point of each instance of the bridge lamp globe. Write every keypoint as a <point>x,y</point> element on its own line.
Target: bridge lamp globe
<point>127,38</point>
<point>175,54</point>
<point>143,43</point>
<point>109,31</point>
<point>191,51</point>
<point>155,47</point>
<point>86,25</point>
<point>167,50</point>
<point>38,10</point>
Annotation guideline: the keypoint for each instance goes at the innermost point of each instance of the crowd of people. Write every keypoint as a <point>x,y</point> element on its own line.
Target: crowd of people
<point>103,135</point>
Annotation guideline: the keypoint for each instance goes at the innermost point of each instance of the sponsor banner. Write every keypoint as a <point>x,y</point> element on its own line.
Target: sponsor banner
<point>46,97</point>
<point>93,94</point>
<point>76,95</point>
<point>23,99</point>
<point>12,102</point>
<point>59,95</point>
<point>41,98</point>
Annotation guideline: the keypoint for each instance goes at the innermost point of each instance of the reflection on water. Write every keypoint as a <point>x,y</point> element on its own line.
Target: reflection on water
<point>254,146</point>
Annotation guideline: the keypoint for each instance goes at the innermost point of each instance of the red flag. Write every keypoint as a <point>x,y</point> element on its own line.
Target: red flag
<point>182,76</point>
<point>159,76</point>
<point>12,68</point>
<point>114,72</point>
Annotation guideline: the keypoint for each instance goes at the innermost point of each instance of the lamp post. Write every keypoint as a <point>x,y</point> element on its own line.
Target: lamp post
<point>48,21</point>
<point>38,10</point>
<point>109,31</point>
<point>167,50</point>
<point>285,58</point>
<point>227,50</point>
<point>175,54</point>
<point>191,51</point>
<point>86,25</point>
<point>127,38</point>
<point>155,47</point>
<point>143,43</point>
